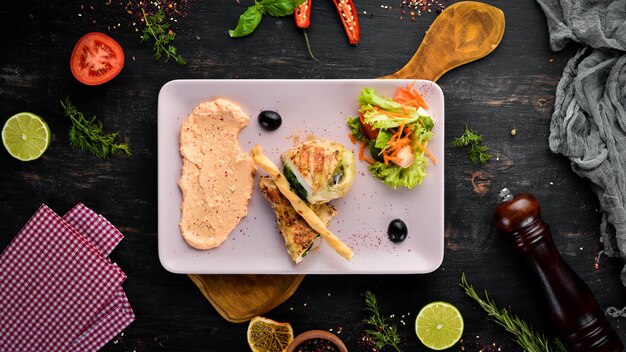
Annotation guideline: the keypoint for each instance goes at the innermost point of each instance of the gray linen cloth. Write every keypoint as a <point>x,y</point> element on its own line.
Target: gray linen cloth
<point>589,121</point>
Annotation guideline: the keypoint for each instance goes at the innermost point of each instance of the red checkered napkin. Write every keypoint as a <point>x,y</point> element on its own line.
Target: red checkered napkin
<point>94,227</point>
<point>53,282</point>
<point>108,323</point>
<point>117,313</point>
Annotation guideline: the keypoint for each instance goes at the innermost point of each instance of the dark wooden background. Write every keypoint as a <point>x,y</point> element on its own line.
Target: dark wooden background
<point>511,88</point>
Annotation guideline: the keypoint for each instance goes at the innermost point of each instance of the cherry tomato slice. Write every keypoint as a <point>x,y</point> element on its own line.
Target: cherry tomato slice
<point>368,131</point>
<point>96,59</point>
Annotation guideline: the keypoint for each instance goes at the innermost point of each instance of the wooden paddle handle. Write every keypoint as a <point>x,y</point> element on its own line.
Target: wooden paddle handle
<point>464,32</point>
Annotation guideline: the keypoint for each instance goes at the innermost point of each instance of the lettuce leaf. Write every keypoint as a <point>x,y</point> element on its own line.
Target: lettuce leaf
<point>421,134</point>
<point>382,121</point>
<point>395,176</point>
<point>355,128</point>
<point>370,97</point>
<point>382,139</point>
<point>426,119</point>
<point>373,108</point>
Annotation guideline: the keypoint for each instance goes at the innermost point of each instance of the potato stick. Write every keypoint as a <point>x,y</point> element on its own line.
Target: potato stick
<point>300,206</point>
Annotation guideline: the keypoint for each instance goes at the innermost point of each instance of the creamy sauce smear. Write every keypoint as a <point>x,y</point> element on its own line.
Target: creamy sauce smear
<point>217,176</point>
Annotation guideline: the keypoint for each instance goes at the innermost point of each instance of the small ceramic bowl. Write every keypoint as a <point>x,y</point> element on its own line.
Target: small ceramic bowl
<point>316,334</point>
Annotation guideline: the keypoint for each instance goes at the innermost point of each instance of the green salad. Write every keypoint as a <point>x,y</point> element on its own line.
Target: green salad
<point>396,132</point>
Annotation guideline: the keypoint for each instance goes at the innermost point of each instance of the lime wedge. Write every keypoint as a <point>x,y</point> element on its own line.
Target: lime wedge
<point>26,136</point>
<point>439,325</point>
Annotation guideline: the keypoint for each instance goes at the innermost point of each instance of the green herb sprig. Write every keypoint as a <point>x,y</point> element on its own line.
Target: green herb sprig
<point>527,338</point>
<point>86,135</point>
<point>251,18</point>
<point>477,153</point>
<point>157,29</point>
<point>383,334</point>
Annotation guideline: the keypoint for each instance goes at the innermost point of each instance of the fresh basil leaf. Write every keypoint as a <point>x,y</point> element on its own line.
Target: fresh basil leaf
<point>279,8</point>
<point>248,21</point>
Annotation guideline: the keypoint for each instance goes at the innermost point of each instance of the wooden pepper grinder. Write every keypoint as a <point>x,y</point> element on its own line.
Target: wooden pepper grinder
<point>573,308</point>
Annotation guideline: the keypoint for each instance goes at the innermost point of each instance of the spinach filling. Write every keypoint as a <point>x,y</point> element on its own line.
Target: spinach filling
<point>308,249</point>
<point>337,175</point>
<point>296,187</point>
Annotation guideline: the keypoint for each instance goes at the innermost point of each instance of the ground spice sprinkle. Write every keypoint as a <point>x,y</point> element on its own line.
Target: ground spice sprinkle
<point>173,9</point>
<point>419,7</point>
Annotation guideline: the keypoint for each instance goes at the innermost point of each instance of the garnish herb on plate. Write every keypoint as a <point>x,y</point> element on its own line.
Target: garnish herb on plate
<point>477,152</point>
<point>526,337</point>
<point>86,135</point>
<point>159,30</point>
<point>251,18</point>
<point>383,333</point>
<point>396,132</point>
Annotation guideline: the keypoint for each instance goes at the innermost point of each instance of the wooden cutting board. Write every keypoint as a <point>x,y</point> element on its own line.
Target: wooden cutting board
<point>464,32</point>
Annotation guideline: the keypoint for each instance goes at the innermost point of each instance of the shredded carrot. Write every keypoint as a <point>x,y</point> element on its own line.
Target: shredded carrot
<point>417,96</point>
<point>352,138</point>
<point>369,160</point>
<point>428,153</point>
<point>398,140</point>
<point>361,150</point>
<point>409,96</point>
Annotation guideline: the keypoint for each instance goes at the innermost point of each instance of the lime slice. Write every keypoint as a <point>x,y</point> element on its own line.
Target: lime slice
<point>26,136</point>
<point>439,325</point>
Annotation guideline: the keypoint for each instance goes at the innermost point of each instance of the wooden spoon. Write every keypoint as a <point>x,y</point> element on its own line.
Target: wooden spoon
<point>464,32</point>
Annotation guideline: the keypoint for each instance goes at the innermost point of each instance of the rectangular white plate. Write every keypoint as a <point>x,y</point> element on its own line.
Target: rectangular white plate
<point>307,107</point>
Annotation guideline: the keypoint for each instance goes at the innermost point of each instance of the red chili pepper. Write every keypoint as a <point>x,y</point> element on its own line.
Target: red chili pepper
<point>303,15</point>
<point>303,21</point>
<point>349,18</point>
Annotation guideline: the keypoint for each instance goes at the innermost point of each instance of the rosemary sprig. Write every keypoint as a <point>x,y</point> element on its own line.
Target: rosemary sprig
<point>383,334</point>
<point>86,134</point>
<point>524,335</point>
<point>159,30</point>
<point>477,153</point>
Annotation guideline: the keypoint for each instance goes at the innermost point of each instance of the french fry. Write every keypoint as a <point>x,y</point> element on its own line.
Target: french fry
<point>298,204</point>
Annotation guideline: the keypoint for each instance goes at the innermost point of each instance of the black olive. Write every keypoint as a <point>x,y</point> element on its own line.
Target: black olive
<point>270,120</point>
<point>397,230</point>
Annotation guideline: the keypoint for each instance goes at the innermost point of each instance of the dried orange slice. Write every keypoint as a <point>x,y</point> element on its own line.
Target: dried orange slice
<point>266,335</point>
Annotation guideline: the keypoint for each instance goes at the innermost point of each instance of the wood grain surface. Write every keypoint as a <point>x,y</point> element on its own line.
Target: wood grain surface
<point>465,32</point>
<point>239,298</point>
<point>513,87</point>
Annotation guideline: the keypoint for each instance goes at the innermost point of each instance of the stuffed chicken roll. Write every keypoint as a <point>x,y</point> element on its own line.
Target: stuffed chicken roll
<point>319,170</point>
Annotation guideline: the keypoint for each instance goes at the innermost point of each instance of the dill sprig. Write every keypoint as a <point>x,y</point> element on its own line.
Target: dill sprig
<point>159,30</point>
<point>477,153</point>
<point>86,134</point>
<point>383,334</point>
<point>524,335</point>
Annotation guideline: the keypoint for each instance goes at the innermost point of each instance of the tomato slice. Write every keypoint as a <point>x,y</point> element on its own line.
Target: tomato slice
<point>368,131</point>
<point>96,59</point>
